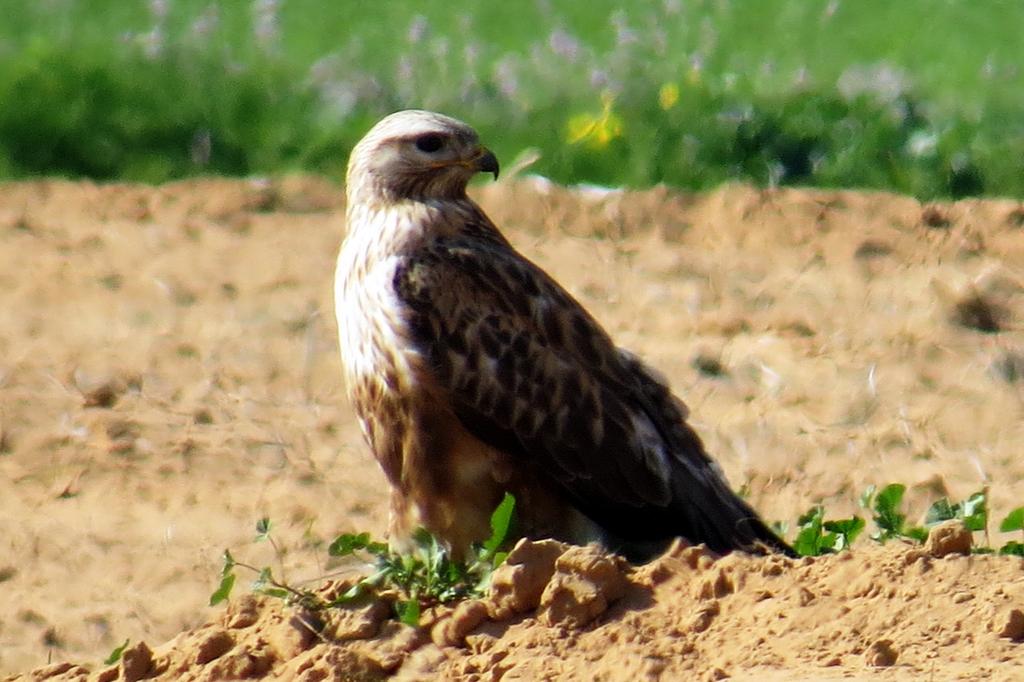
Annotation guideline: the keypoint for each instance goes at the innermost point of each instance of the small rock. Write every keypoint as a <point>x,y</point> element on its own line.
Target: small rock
<point>708,365</point>
<point>872,248</point>
<point>586,581</point>
<point>213,644</point>
<point>949,537</point>
<point>136,662</point>
<point>1010,624</point>
<point>517,585</point>
<point>103,395</point>
<point>980,312</point>
<point>452,630</point>
<point>1009,366</point>
<point>881,654</point>
<point>934,217</point>
<point>1016,217</point>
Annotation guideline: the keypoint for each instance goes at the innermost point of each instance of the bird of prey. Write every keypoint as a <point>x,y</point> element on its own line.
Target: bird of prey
<point>474,373</point>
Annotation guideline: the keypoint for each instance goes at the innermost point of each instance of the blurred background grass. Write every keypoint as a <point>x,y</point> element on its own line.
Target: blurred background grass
<point>919,96</point>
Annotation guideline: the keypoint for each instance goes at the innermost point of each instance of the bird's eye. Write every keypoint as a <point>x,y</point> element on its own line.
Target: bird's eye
<point>429,143</point>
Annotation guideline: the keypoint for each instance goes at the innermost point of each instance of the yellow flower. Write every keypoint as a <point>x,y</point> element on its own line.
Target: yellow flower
<point>668,96</point>
<point>598,130</point>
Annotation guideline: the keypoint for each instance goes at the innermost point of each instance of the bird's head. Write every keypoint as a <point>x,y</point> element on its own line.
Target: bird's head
<point>416,155</point>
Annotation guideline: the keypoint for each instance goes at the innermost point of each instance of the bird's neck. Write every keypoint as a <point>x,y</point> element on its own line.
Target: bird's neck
<point>408,222</point>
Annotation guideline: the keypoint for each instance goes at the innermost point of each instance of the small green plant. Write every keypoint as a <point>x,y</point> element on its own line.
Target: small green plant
<point>422,578</point>
<point>891,522</point>
<point>818,536</point>
<point>227,580</point>
<point>1013,521</point>
<point>265,582</point>
<point>973,511</point>
<point>116,654</point>
<point>428,575</point>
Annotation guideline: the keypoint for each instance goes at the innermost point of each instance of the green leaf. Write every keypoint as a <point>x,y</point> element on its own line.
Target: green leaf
<point>851,526</point>
<point>845,531</point>
<point>890,497</point>
<point>811,516</point>
<point>227,582</point>
<point>378,549</point>
<point>354,592</point>
<point>347,543</point>
<point>1013,548</point>
<point>262,529</point>
<point>115,655</point>
<point>275,592</point>
<point>915,533</point>
<point>941,510</point>
<point>229,563</point>
<point>1013,521</point>
<point>501,520</point>
<point>408,611</point>
<point>423,538</point>
<point>809,540</point>
<point>888,516</point>
<point>975,511</point>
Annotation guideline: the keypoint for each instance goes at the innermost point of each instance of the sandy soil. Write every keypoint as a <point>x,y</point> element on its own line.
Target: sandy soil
<point>168,375</point>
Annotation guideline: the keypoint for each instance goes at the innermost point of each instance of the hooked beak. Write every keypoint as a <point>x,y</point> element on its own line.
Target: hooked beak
<point>486,162</point>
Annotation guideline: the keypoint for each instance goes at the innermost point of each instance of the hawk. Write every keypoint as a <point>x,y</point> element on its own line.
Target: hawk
<point>474,373</point>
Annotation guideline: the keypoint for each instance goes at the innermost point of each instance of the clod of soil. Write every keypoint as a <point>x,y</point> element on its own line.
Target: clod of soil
<point>979,312</point>
<point>881,654</point>
<point>949,537</point>
<point>1010,624</point>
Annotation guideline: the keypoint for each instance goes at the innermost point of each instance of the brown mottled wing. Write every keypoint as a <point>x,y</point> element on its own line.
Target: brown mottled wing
<point>530,372</point>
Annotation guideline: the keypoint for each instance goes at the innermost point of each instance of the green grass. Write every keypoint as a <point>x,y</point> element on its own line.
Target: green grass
<point>919,96</point>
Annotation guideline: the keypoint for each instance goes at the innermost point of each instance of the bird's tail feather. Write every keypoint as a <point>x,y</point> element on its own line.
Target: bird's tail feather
<point>712,515</point>
<point>725,522</point>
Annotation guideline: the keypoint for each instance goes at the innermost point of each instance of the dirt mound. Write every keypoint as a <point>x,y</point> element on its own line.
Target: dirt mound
<point>168,375</point>
<point>683,616</point>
